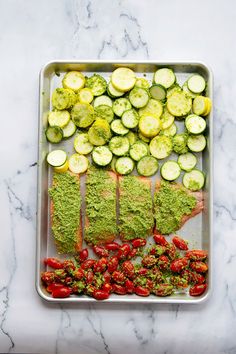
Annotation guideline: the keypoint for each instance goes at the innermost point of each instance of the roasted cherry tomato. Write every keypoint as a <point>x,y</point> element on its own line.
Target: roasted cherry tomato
<point>163,262</point>
<point>143,271</point>
<point>100,294</point>
<point>141,291</point>
<point>171,251</point>
<point>123,251</point>
<point>149,284</point>
<point>164,289</point>
<point>100,265</point>
<point>198,278</point>
<point>197,289</point>
<point>83,255</point>
<point>199,266</point>
<point>61,292</point>
<point>107,276</point>
<point>112,264</point>
<point>68,281</point>
<point>48,277</point>
<point>79,273</point>
<point>100,251</point>
<point>179,264</point>
<point>132,253</point>
<point>179,282</point>
<point>53,263</point>
<point>69,265</point>
<point>129,286</point>
<point>118,277</point>
<point>119,289</point>
<point>89,276</point>
<point>112,246</point>
<point>149,261</point>
<point>107,287</point>
<point>180,243</point>
<point>128,269</point>
<point>196,255</point>
<point>89,263</point>
<point>54,286</point>
<point>160,239</point>
<point>138,242</point>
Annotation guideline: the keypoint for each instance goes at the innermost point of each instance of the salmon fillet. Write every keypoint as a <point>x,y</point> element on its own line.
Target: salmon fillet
<point>77,246</point>
<point>135,207</point>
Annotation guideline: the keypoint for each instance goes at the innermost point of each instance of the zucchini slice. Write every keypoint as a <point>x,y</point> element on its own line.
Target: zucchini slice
<point>194,180</point>
<point>147,166</point>
<point>187,161</point>
<point>201,105</point>
<point>196,143</point>
<point>105,112</point>
<point>82,145</point>
<point>153,107</point>
<point>69,129</point>
<point>172,89</point>
<point>138,150</point>
<point>196,83</point>
<point>171,131</point>
<point>132,137</point>
<point>124,165</point>
<point>113,92</point>
<point>187,91</point>
<point>167,119</point>
<point>99,133</point>
<point>170,170</point>
<point>85,95</point>
<point>142,82</point>
<point>56,158</point>
<point>143,138</point>
<point>164,77</point>
<point>58,118</point>
<point>180,143</point>
<point>138,97</point>
<point>158,92</point>
<point>118,128</point>
<point>73,80</point>
<point>120,105</point>
<point>82,115</point>
<point>119,145</point>
<point>123,79</point>
<point>195,124</point>
<point>63,98</point>
<point>78,163</point>
<point>178,104</point>
<point>62,168</point>
<point>97,84</point>
<point>54,134</point>
<point>130,119</point>
<point>149,125</point>
<point>161,146</point>
<point>102,100</point>
<point>101,155</point>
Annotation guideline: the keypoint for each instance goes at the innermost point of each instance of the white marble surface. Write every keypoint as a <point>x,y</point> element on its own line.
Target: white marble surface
<point>34,32</point>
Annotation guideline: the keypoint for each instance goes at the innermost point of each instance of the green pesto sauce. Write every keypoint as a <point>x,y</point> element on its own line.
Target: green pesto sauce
<point>136,217</point>
<point>193,185</point>
<point>65,194</point>
<point>170,205</point>
<point>100,206</point>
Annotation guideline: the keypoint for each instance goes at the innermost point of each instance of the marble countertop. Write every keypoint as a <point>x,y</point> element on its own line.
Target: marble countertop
<point>34,32</point>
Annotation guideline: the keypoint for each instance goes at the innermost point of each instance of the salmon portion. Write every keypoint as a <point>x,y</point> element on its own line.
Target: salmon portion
<point>135,207</point>
<point>197,195</point>
<point>100,213</point>
<point>74,246</point>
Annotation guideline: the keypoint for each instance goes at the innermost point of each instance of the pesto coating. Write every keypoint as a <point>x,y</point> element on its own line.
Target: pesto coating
<point>136,216</point>
<point>66,198</point>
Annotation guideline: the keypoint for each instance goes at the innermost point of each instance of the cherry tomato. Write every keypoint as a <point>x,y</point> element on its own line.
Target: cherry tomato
<point>199,266</point>
<point>68,280</point>
<point>197,290</point>
<point>141,291</point>
<point>179,282</point>
<point>112,246</point>
<point>196,255</point>
<point>164,289</point>
<point>79,273</point>
<point>143,271</point>
<point>149,261</point>
<point>54,286</point>
<point>160,239</point>
<point>138,242</point>
<point>163,262</point>
<point>123,251</point>
<point>48,277</point>
<point>187,274</point>
<point>53,263</point>
<point>128,269</point>
<point>100,251</point>
<point>61,292</point>
<point>100,265</point>
<point>118,277</point>
<point>179,264</point>
<point>89,290</point>
<point>129,286</point>
<point>119,289</point>
<point>149,284</point>
<point>89,263</point>
<point>107,287</point>
<point>100,294</point>
<point>171,251</point>
<point>198,278</point>
<point>112,264</point>
<point>107,277</point>
<point>180,243</point>
<point>132,253</point>
<point>89,277</point>
<point>68,265</point>
<point>157,250</point>
<point>83,255</point>
<point>60,274</point>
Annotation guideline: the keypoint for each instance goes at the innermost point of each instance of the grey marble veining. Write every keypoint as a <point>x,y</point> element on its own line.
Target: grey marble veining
<point>34,32</point>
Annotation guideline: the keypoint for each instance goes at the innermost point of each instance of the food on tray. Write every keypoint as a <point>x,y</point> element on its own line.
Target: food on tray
<point>161,270</point>
<point>174,205</point>
<point>100,211</point>
<point>66,212</point>
<point>135,207</point>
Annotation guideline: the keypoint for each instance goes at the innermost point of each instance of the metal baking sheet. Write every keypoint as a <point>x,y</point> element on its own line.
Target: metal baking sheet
<point>198,230</point>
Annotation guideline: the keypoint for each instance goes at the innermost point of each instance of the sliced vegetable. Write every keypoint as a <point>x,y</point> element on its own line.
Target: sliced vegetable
<point>149,125</point>
<point>73,80</point>
<point>105,112</point>
<point>97,84</point>
<point>164,77</point>
<point>167,119</point>
<point>130,119</point>
<point>138,97</point>
<point>138,150</point>
<point>118,128</point>
<point>56,158</point>
<point>102,156</point>
<point>196,143</point>
<point>123,79</point>
<point>201,105</point>
<point>124,165</point>
<point>63,98</point>
<point>82,115</point>
<point>119,145</point>
<point>132,137</point>
<point>161,146</point>
<point>142,82</point>
<point>121,105</point>
<point>187,161</point>
<point>187,91</point>
<point>143,138</point>
<point>69,129</point>
<point>62,168</point>
<point>102,100</point>
<point>170,170</point>
<point>158,92</point>
<point>99,133</point>
<point>171,131</point>
<point>78,163</point>
<point>153,107</point>
<point>194,180</point>
<point>85,95</point>
<point>180,143</point>
<point>54,134</point>
<point>58,118</point>
<point>82,145</point>
<point>172,89</point>
<point>147,166</point>
<point>195,124</point>
<point>178,104</point>
<point>196,83</point>
<point>113,92</point>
